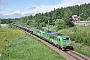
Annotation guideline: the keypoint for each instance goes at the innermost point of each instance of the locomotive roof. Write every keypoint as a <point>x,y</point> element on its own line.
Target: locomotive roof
<point>54,34</point>
<point>50,33</point>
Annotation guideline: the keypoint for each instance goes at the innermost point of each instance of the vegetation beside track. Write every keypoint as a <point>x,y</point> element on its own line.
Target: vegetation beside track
<point>6,34</point>
<point>26,47</point>
<point>20,46</point>
<point>83,49</point>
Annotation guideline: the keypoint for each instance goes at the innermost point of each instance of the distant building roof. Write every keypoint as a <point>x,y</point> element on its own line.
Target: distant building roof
<point>75,17</point>
<point>82,23</point>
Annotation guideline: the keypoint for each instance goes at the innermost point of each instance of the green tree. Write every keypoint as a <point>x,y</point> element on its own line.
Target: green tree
<point>88,18</point>
<point>60,24</point>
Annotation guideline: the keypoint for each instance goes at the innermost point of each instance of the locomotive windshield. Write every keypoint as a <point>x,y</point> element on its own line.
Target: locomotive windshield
<point>66,38</point>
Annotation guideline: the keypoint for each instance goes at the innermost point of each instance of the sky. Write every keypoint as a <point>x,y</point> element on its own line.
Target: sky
<point>20,8</point>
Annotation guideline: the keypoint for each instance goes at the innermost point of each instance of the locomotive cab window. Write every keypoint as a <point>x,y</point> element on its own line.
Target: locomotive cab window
<point>66,38</point>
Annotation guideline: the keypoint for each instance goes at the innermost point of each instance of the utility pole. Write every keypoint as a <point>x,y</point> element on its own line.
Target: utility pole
<point>48,18</point>
<point>48,25</point>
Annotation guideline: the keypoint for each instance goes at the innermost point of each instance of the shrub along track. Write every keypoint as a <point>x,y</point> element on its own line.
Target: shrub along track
<point>69,55</point>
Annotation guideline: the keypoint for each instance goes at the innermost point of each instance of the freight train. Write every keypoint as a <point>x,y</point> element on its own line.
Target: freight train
<point>59,40</point>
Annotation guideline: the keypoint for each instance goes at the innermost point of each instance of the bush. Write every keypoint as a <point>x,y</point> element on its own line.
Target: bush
<point>81,35</point>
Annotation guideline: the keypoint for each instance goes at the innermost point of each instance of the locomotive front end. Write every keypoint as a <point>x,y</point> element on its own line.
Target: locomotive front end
<point>66,43</point>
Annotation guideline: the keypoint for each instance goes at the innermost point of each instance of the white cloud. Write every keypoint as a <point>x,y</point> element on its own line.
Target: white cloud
<point>15,14</point>
<point>1,12</point>
<point>20,13</point>
<point>42,8</point>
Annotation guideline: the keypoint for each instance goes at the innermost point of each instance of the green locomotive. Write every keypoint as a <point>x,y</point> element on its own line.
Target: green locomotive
<point>59,40</point>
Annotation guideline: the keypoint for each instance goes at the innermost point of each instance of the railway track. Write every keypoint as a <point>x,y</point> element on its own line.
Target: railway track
<point>76,55</point>
<point>69,55</point>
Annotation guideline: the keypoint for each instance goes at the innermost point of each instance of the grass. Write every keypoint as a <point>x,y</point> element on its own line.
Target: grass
<point>26,47</point>
<point>83,49</point>
<point>6,35</point>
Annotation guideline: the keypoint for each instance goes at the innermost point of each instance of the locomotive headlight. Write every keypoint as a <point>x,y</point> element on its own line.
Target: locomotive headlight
<point>64,39</point>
